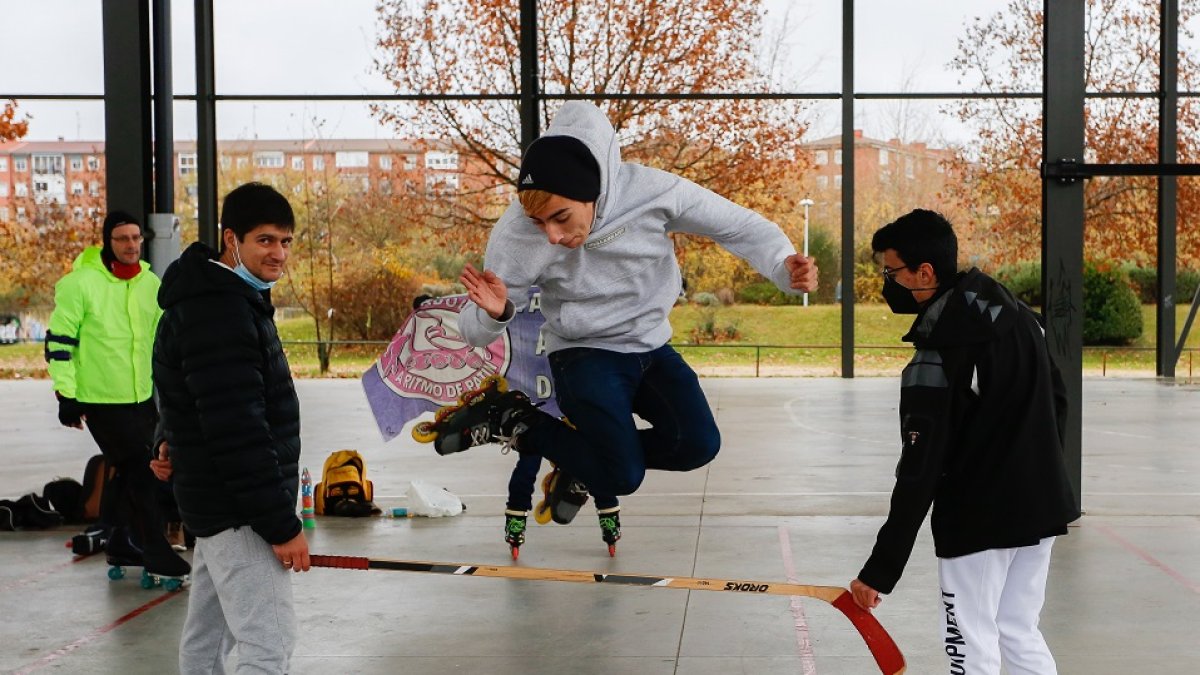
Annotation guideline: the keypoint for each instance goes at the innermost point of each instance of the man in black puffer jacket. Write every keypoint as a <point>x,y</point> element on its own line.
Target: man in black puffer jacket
<point>231,421</point>
<point>982,409</point>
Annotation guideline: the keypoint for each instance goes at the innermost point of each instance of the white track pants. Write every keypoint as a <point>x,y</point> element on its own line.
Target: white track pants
<point>992,600</point>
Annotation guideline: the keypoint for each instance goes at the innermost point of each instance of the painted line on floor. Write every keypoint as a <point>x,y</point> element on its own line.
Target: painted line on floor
<point>67,649</point>
<point>659,495</point>
<point>800,620</point>
<point>43,574</point>
<point>1136,550</point>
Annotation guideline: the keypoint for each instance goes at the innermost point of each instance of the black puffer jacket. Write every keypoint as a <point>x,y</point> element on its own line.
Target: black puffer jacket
<point>229,408</point>
<point>982,409</point>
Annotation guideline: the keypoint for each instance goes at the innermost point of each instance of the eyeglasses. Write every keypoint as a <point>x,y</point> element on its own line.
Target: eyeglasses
<point>890,272</point>
<point>132,239</point>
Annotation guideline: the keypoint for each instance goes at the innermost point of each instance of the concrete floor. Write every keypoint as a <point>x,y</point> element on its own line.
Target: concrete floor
<point>798,491</point>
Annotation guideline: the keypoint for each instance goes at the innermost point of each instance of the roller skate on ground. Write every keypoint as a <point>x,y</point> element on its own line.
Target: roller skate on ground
<point>165,569</point>
<point>171,573</point>
<point>514,530</point>
<point>488,414</point>
<point>562,497</point>
<point>121,552</point>
<point>610,527</point>
<point>92,540</point>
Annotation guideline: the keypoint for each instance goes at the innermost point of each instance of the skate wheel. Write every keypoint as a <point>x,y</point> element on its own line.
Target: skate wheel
<point>424,432</point>
<point>173,585</point>
<point>501,383</point>
<point>612,550</point>
<point>541,514</point>
<point>116,573</point>
<point>147,580</point>
<point>516,552</point>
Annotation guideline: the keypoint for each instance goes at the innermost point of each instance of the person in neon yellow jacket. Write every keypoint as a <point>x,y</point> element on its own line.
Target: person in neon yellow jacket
<point>98,349</point>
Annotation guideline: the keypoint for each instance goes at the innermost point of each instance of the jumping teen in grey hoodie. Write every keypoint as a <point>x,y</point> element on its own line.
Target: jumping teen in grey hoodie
<point>591,232</point>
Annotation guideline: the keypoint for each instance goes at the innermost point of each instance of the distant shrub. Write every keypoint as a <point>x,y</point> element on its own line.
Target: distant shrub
<point>373,302</point>
<point>1024,279</point>
<point>706,299</point>
<point>765,293</point>
<point>1145,283</point>
<point>708,330</point>
<point>1112,314</point>
<point>868,282</point>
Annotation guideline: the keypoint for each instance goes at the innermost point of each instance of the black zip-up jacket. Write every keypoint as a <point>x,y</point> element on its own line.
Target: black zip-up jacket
<point>982,409</point>
<point>229,410</point>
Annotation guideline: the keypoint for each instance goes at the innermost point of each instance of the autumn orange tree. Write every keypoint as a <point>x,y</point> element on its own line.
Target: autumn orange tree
<point>740,148</point>
<point>1002,53</point>
<point>42,238</point>
<point>10,127</point>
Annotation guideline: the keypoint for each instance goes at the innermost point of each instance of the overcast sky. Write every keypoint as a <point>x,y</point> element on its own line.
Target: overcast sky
<point>327,46</point>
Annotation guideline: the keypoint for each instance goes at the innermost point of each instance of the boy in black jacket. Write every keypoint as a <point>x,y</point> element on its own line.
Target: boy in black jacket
<point>982,409</point>
<point>232,425</point>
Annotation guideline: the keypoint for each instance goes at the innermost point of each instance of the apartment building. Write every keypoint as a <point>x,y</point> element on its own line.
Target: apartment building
<point>876,162</point>
<point>70,174</point>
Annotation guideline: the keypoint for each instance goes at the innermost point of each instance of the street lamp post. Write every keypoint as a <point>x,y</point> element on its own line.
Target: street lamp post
<point>806,202</point>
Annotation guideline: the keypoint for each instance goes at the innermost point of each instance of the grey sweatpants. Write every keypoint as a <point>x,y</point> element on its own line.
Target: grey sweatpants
<point>240,596</point>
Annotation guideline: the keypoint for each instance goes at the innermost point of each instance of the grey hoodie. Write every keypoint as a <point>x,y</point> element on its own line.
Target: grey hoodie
<point>616,291</point>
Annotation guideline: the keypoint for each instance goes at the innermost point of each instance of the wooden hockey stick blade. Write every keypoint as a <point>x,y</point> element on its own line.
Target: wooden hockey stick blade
<point>883,648</point>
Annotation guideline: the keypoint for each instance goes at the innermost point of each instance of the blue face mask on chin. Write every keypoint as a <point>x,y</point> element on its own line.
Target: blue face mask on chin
<point>245,274</point>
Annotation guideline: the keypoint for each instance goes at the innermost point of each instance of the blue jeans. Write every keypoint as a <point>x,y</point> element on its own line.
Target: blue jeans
<point>599,391</point>
<point>521,486</point>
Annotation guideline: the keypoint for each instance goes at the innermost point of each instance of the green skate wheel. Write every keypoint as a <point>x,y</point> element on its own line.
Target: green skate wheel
<point>173,585</point>
<point>147,580</point>
<point>116,573</point>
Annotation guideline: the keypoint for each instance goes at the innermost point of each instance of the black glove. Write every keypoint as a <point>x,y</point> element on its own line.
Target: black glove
<point>70,411</point>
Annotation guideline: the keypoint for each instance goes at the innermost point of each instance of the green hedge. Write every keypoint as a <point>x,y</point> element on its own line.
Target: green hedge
<point>1112,314</point>
<point>1145,283</point>
<point>765,293</point>
<point>1024,279</point>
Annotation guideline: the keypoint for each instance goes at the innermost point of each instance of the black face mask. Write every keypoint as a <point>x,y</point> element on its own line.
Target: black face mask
<point>900,298</point>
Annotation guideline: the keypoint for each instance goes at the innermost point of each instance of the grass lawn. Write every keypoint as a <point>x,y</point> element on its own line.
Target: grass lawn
<point>791,340</point>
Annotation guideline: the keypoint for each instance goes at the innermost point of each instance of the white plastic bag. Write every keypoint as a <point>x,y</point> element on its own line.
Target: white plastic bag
<point>435,502</point>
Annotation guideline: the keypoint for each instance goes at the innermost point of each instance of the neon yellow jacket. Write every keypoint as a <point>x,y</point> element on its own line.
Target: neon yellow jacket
<point>101,334</point>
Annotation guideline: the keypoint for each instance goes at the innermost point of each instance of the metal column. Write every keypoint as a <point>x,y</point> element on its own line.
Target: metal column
<point>206,125</point>
<point>847,188</point>
<point>1168,111</point>
<point>126,26</point>
<point>530,113</point>
<point>1062,211</point>
<point>164,243</point>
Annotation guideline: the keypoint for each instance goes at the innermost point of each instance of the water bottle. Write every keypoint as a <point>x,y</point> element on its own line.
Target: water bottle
<point>306,500</point>
<point>398,512</point>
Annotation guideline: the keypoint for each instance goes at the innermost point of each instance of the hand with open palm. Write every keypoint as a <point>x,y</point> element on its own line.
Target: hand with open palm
<point>486,290</point>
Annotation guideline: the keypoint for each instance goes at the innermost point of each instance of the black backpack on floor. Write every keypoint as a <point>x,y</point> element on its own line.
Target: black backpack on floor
<point>30,512</point>
<point>66,497</point>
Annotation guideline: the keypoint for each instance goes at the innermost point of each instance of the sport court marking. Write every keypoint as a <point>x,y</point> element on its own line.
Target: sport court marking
<point>67,649</point>
<point>803,642</point>
<point>43,574</point>
<point>1139,552</point>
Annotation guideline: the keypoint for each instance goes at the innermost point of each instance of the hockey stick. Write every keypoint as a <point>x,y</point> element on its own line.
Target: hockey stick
<point>885,651</point>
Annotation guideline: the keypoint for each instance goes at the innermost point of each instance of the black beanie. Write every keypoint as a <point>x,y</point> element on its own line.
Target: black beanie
<point>111,222</point>
<point>560,165</point>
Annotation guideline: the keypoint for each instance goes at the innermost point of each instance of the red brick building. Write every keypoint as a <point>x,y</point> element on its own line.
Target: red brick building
<point>876,163</point>
<point>70,174</point>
